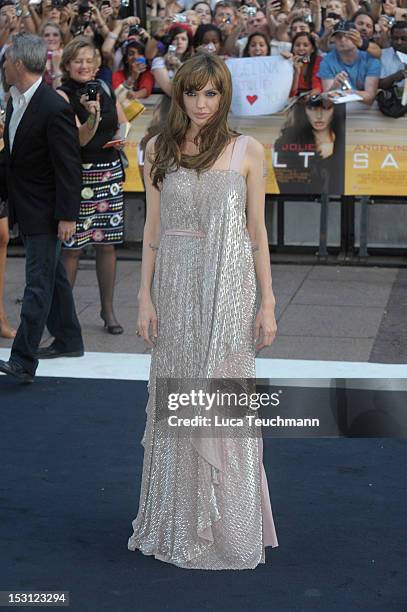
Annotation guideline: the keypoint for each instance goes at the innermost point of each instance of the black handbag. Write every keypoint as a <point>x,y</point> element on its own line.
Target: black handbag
<point>389,102</point>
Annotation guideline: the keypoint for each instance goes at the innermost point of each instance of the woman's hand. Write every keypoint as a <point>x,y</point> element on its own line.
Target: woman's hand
<point>329,24</point>
<point>147,317</point>
<point>172,61</point>
<point>131,95</point>
<point>298,64</point>
<point>383,25</point>
<point>92,106</point>
<point>286,55</point>
<point>132,21</point>
<point>137,68</point>
<point>119,146</point>
<point>106,12</point>
<point>265,327</point>
<point>144,35</point>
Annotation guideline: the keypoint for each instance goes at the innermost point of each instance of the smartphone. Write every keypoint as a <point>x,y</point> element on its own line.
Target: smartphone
<point>112,143</point>
<point>92,90</point>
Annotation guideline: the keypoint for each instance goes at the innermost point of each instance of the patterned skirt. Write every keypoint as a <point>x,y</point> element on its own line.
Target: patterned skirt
<point>101,214</point>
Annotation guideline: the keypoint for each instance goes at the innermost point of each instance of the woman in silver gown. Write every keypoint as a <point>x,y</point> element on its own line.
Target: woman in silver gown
<point>204,502</point>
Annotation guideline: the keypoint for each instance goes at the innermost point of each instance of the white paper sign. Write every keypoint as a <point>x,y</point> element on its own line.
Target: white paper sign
<point>261,85</point>
<point>402,57</point>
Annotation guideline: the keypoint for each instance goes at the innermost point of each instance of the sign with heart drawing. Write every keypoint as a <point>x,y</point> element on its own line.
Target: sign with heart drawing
<point>261,85</point>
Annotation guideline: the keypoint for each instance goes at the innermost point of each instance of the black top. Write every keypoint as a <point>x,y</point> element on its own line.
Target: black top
<point>93,151</point>
<point>43,172</point>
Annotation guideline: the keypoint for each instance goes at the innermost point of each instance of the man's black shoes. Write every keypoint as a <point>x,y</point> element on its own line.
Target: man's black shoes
<point>11,368</point>
<point>52,352</point>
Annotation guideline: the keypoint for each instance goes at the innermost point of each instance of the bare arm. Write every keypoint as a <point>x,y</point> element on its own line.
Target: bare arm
<point>328,84</point>
<point>316,14</point>
<point>368,94</point>
<point>387,82</point>
<point>229,46</point>
<point>27,16</point>
<point>151,238</point>
<point>351,7</point>
<point>370,91</point>
<point>109,43</point>
<point>86,130</point>
<point>151,48</point>
<point>256,227</point>
<point>163,80</point>
<point>374,50</point>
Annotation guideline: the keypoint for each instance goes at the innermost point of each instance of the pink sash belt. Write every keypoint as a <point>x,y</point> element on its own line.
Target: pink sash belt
<point>184,232</point>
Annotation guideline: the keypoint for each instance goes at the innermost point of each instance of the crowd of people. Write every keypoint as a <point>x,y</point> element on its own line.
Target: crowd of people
<point>332,44</point>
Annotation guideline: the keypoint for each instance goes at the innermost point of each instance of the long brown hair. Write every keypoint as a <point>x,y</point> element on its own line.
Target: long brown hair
<point>215,135</point>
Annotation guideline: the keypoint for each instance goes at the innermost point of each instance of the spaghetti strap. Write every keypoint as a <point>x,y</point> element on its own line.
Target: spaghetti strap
<point>238,152</point>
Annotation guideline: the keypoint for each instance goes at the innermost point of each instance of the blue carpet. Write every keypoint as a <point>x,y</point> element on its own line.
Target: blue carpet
<point>69,481</point>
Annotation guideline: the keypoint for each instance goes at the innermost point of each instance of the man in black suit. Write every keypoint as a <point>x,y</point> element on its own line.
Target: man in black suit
<point>41,176</point>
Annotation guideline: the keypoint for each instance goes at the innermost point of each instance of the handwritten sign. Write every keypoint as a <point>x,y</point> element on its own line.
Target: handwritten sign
<point>261,85</point>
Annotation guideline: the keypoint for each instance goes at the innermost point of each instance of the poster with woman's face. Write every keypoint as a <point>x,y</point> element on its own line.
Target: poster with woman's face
<point>308,154</point>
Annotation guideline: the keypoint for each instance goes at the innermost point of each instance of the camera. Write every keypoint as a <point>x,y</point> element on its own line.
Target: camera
<point>58,3</point>
<point>305,59</point>
<point>105,3</point>
<point>181,18</point>
<point>134,30</point>
<point>172,49</point>
<point>251,11</point>
<point>319,101</point>
<point>92,89</point>
<point>391,20</point>
<point>308,19</point>
<point>334,16</point>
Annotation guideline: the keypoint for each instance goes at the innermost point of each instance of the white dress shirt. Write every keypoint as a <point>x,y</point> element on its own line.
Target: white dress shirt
<point>20,103</point>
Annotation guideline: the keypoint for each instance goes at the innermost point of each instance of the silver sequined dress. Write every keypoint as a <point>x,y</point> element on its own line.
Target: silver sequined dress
<point>203,505</point>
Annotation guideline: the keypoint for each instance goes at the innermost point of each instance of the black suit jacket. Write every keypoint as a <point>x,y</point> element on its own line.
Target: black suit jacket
<point>42,175</point>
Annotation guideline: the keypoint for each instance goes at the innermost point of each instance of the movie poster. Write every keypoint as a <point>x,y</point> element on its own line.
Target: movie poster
<point>309,150</point>
<point>376,153</point>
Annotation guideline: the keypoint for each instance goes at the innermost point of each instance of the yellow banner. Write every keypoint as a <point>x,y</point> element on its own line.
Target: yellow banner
<point>376,154</point>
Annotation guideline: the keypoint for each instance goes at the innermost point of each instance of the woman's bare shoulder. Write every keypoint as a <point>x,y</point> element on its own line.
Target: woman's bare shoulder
<point>254,147</point>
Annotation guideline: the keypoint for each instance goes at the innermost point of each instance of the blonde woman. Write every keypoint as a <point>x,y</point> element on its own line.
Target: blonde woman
<point>204,503</point>
<point>52,34</point>
<point>101,215</point>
